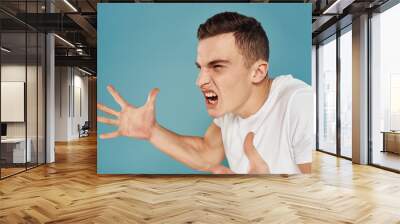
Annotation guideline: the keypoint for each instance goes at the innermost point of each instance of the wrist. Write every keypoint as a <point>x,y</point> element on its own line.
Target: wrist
<point>153,132</point>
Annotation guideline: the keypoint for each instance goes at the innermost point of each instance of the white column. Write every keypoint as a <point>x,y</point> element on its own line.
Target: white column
<point>50,100</point>
<point>50,93</point>
<point>360,90</point>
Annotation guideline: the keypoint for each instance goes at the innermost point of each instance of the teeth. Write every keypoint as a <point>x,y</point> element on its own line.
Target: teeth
<point>210,94</point>
<point>212,101</point>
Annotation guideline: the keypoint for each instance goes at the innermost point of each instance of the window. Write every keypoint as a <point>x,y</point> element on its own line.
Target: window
<point>327,95</point>
<point>385,88</point>
<point>346,92</point>
<point>22,77</point>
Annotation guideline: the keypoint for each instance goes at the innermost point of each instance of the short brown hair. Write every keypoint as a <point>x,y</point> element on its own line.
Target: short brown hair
<point>250,36</point>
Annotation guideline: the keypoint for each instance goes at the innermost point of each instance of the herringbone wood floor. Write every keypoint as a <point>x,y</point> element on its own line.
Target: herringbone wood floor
<point>70,191</point>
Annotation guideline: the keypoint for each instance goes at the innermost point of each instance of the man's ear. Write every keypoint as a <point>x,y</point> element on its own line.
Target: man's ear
<point>260,71</point>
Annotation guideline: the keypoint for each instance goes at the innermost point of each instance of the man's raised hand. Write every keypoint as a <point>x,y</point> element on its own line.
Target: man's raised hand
<point>131,121</point>
<point>257,165</point>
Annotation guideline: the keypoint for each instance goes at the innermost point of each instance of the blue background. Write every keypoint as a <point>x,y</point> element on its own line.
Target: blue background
<point>142,46</point>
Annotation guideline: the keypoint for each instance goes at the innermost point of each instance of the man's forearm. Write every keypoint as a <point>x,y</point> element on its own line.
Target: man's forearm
<point>186,149</point>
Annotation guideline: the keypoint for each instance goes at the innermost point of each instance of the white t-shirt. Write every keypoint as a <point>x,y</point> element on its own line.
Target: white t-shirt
<point>283,129</point>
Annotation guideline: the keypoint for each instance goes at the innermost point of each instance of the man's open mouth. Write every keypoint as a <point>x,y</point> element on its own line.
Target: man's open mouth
<point>211,97</point>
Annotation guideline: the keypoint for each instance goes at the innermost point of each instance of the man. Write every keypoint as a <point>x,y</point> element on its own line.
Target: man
<point>261,125</point>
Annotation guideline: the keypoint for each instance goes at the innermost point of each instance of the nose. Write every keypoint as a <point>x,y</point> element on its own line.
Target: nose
<point>203,79</point>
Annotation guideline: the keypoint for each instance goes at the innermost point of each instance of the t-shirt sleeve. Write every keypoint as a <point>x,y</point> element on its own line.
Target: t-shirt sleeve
<point>301,125</point>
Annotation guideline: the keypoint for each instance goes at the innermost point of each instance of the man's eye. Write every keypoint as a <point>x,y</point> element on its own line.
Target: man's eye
<point>217,67</point>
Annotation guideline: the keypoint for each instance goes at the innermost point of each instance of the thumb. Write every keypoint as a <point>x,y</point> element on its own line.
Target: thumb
<point>257,163</point>
<point>249,148</point>
<point>151,99</point>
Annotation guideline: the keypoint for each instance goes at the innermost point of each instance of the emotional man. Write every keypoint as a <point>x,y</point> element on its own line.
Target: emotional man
<point>261,125</point>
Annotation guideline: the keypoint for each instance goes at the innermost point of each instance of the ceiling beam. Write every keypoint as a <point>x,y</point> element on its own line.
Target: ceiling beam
<point>84,24</point>
<point>82,61</point>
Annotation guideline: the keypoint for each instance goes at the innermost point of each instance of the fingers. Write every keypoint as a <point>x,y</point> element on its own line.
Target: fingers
<point>109,135</point>
<point>257,164</point>
<point>116,96</point>
<point>249,148</point>
<point>152,96</point>
<point>219,169</point>
<point>107,121</point>
<point>107,109</point>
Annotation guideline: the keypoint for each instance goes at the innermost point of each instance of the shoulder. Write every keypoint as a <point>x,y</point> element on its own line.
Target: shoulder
<point>290,87</point>
<point>300,100</point>
<point>296,95</point>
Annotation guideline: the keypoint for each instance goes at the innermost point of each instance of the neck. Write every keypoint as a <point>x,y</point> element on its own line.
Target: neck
<point>256,99</point>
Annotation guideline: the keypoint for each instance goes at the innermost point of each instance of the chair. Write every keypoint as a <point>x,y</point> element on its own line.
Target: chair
<point>84,130</point>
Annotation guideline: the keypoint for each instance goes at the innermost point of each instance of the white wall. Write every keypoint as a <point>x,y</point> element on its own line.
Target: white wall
<point>61,103</point>
<point>15,72</point>
<point>82,82</point>
<point>12,99</point>
<point>70,83</point>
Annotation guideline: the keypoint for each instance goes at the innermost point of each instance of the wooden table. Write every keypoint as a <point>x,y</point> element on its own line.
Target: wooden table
<point>391,141</point>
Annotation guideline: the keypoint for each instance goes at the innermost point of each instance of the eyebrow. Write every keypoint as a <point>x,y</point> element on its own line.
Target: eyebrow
<point>211,63</point>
